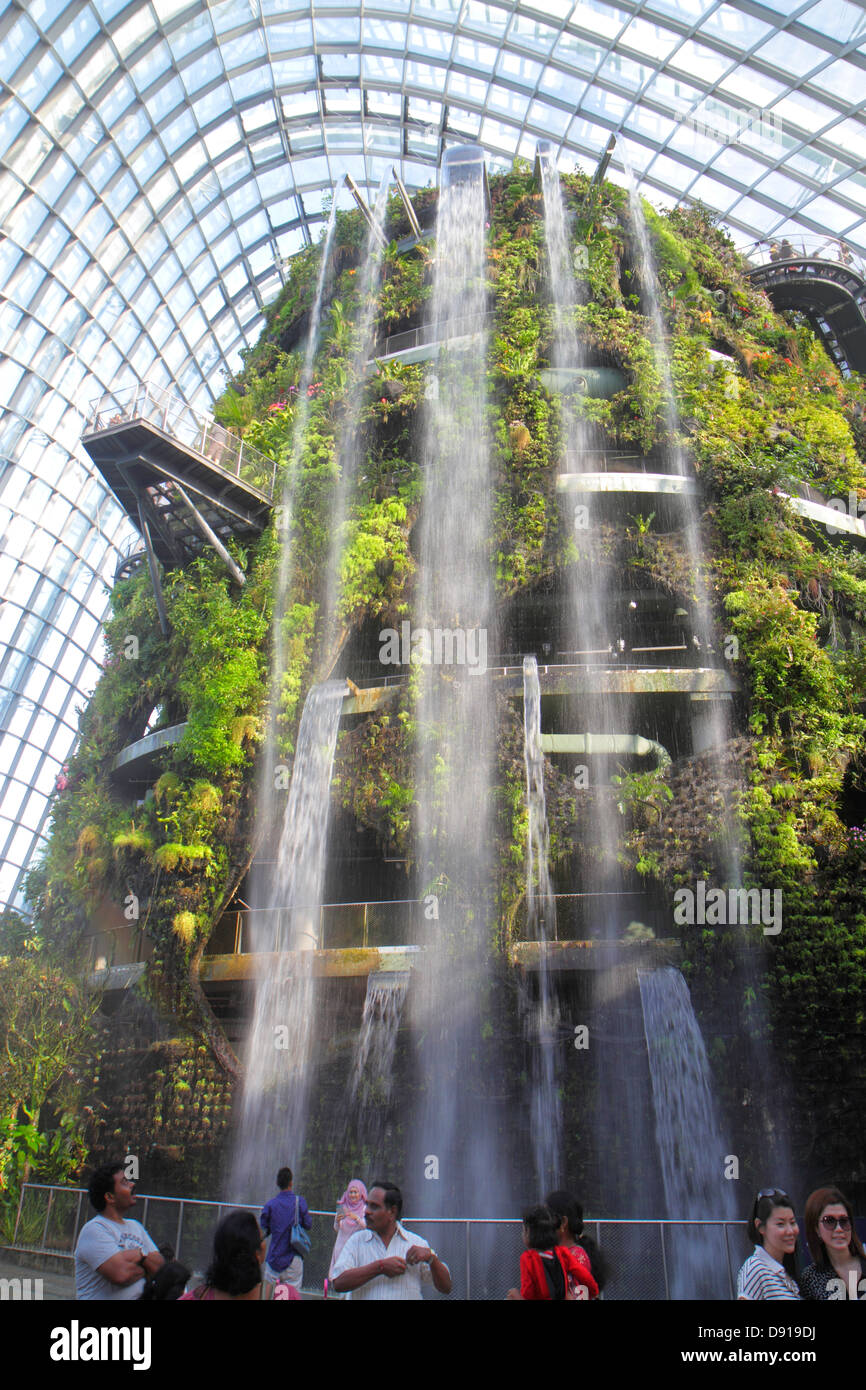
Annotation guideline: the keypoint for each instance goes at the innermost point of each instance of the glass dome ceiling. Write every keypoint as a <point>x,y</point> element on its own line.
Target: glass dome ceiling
<point>162,158</point>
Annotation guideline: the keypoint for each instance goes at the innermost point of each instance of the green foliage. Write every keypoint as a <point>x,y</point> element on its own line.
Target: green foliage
<point>45,1020</point>
<point>222,673</point>
<point>376,562</point>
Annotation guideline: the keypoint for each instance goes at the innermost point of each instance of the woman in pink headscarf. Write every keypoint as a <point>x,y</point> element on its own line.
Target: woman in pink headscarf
<point>350,1216</point>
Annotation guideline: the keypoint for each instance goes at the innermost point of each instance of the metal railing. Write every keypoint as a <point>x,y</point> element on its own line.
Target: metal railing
<point>611,461</point>
<point>189,427</point>
<point>613,657</point>
<point>341,926</point>
<point>427,333</point>
<point>390,922</point>
<point>769,251</point>
<point>648,1259</point>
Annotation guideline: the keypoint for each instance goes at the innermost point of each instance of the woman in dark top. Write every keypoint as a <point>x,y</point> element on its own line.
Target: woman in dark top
<point>569,1213</point>
<point>235,1271</point>
<point>840,1263</point>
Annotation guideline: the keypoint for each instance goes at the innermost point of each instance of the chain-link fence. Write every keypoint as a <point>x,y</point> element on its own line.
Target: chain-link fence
<point>648,1260</point>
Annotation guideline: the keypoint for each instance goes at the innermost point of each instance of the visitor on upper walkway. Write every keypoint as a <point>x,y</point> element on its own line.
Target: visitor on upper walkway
<point>569,1212</point>
<point>770,1272</point>
<point>839,1269</point>
<point>285,1262</point>
<point>385,1261</point>
<point>235,1270</point>
<point>113,1254</point>
<point>350,1217</point>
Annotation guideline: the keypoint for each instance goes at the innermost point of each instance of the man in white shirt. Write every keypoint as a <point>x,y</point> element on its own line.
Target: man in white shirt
<point>387,1262</point>
<point>113,1255</point>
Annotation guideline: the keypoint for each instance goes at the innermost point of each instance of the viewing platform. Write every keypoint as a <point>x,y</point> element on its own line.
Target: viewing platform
<point>846,518</point>
<point>347,963</point>
<point>184,482</point>
<point>705,681</point>
<point>140,761</point>
<point>659,484</point>
<point>561,956</point>
<point>824,279</point>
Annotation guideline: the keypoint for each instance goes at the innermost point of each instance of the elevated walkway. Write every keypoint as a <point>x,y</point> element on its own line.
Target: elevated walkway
<point>333,964</point>
<point>845,518</point>
<point>826,281</point>
<point>658,484</point>
<point>184,482</point>
<point>140,761</point>
<point>562,956</point>
<point>710,682</point>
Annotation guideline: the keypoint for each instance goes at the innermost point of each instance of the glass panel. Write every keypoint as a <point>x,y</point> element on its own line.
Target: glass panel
<point>794,57</point>
<point>75,37</point>
<point>837,18</point>
<point>841,79</point>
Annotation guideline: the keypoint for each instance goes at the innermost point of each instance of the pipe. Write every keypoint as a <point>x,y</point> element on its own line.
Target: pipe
<point>211,536</point>
<point>410,211</point>
<point>624,744</point>
<point>365,211</point>
<point>153,566</point>
<point>603,162</point>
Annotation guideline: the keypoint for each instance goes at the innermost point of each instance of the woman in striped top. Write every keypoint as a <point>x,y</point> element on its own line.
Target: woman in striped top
<point>773,1230</point>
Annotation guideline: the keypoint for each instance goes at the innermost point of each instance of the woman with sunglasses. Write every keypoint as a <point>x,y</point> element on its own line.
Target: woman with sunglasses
<point>840,1263</point>
<point>769,1272</point>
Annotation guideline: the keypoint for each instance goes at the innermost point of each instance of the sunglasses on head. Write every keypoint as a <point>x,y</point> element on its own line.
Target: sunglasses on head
<point>774,1192</point>
<point>831,1222</point>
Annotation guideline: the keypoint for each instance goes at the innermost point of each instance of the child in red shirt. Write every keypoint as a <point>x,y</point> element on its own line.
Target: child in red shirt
<point>549,1271</point>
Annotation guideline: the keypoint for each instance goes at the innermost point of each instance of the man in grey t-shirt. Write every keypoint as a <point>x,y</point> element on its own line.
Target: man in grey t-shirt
<point>113,1255</point>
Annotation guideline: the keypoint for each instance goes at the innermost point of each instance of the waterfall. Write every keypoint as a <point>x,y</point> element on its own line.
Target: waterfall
<point>266,800</point>
<point>625,1159</point>
<point>712,732</point>
<point>688,1132</point>
<point>373,1061</point>
<point>348,446</point>
<point>457,1115</point>
<point>677,462</point>
<point>279,1060</point>
<point>543,1013</point>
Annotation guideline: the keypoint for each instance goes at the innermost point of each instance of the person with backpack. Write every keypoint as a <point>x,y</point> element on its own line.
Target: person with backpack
<point>286,1219</point>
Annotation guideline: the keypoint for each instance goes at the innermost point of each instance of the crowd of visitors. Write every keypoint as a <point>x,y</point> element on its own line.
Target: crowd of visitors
<point>376,1259</point>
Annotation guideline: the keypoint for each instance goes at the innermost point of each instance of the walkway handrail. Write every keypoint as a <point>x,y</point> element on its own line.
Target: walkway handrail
<point>433,332</point>
<point>501,1235</point>
<point>830,249</point>
<point>189,427</point>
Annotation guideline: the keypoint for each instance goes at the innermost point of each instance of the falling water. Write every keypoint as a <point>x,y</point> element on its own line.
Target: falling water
<point>457,1116</point>
<point>543,1016</point>
<point>287,506</point>
<point>688,1132</point>
<point>373,1062</point>
<point>267,801</point>
<point>675,455</point>
<point>279,1052</point>
<point>623,1132</point>
<point>715,731</point>
<point>349,434</point>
